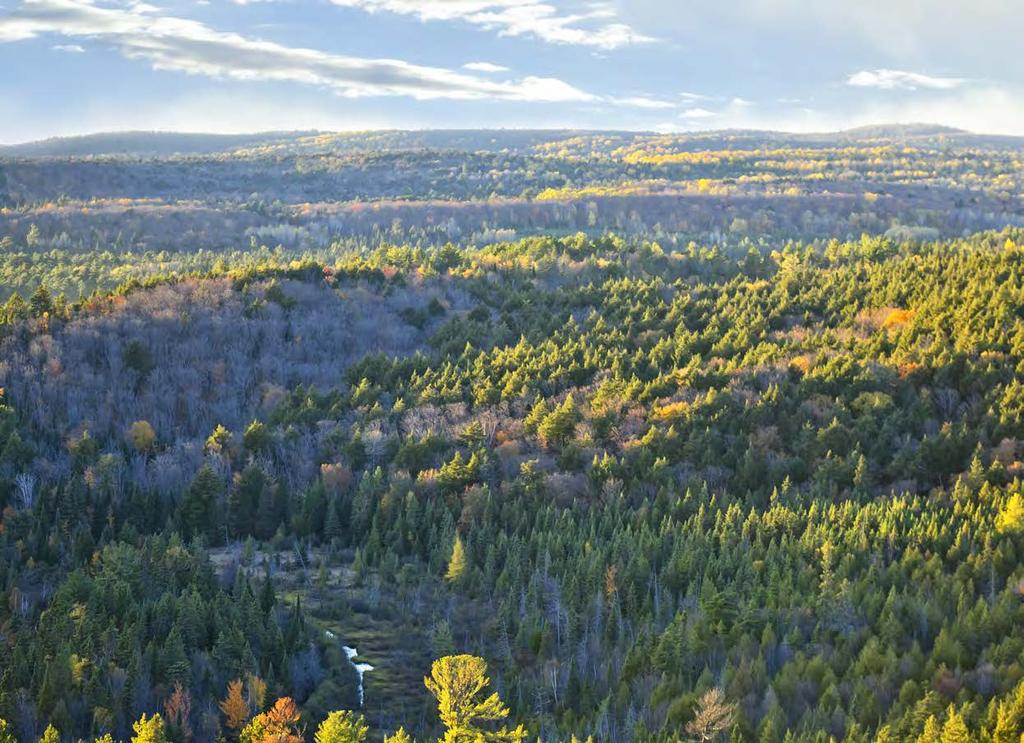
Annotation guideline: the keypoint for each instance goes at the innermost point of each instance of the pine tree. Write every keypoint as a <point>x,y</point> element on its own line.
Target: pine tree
<point>40,303</point>
<point>199,506</point>
<point>268,517</point>
<point>558,426</point>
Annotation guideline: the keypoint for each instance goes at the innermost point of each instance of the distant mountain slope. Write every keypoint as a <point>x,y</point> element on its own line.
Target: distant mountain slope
<point>163,144</point>
<point>143,144</point>
<point>518,141</point>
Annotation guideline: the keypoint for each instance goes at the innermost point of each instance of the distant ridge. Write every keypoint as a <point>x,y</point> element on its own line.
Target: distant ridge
<point>901,131</point>
<point>157,144</point>
<point>144,144</point>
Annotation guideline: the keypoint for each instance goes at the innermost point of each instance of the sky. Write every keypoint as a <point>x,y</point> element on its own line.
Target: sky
<point>79,66</point>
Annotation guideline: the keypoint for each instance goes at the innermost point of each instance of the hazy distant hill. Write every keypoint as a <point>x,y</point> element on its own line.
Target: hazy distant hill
<point>144,144</point>
<point>163,144</point>
<point>520,141</point>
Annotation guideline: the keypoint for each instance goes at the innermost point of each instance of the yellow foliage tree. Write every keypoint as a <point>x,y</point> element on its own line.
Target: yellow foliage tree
<point>457,562</point>
<point>458,683</point>
<point>149,730</point>
<point>142,436</point>
<point>256,692</point>
<point>399,736</point>
<point>342,726</point>
<point>1011,518</point>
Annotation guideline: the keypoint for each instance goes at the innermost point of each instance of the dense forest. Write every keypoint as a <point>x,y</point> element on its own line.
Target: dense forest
<point>567,435</point>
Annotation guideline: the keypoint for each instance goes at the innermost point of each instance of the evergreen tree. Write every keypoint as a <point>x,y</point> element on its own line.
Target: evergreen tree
<point>40,303</point>
<point>199,506</point>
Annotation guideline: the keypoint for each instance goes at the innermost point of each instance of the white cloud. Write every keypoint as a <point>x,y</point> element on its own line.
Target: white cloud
<point>484,67</point>
<point>70,48</point>
<point>594,26</point>
<point>639,101</point>
<point>901,80</point>
<point>697,113</point>
<point>137,31</point>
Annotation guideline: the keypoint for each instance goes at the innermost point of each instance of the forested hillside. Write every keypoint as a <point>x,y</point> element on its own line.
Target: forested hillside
<point>655,438</point>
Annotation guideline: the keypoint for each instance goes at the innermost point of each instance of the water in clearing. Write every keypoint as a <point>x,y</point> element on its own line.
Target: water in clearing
<point>361,668</point>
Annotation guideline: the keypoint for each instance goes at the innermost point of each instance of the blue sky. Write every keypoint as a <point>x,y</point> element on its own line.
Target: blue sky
<point>75,66</point>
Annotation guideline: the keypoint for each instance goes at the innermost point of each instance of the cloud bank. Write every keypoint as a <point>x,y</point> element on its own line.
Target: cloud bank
<point>138,31</point>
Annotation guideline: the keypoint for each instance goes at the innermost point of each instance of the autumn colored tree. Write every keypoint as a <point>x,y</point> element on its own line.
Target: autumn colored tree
<point>255,692</point>
<point>235,707</point>
<point>342,726</point>
<point>279,724</point>
<point>149,730</point>
<point>178,710</point>
<point>713,716</point>
<point>141,436</point>
<point>399,736</point>
<point>954,730</point>
<point>458,682</point>
<point>219,442</point>
<point>457,562</point>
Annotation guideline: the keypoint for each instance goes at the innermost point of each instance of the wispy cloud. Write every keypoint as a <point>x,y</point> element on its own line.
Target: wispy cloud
<point>639,101</point>
<point>697,113</point>
<point>596,26</point>
<point>70,48</point>
<point>484,67</point>
<point>139,31</point>
<point>901,80</point>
